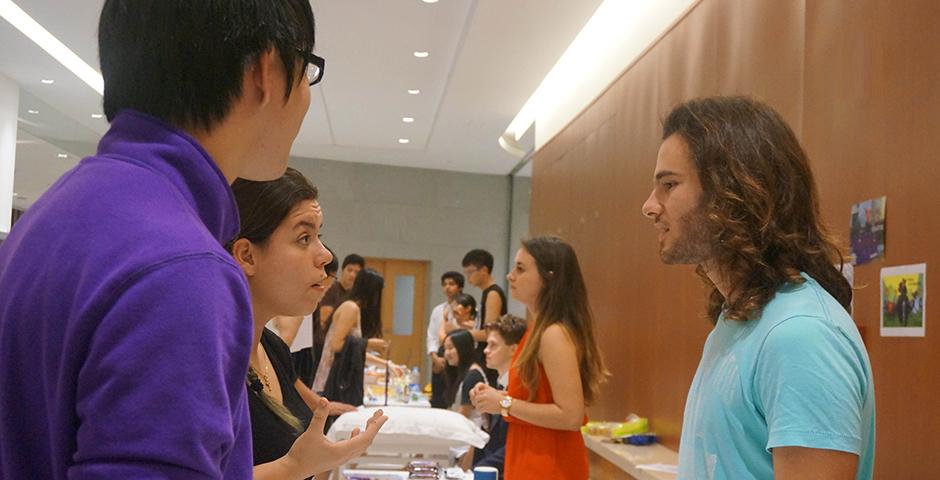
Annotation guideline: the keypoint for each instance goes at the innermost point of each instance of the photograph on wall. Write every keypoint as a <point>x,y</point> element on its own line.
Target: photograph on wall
<point>903,300</point>
<point>867,230</point>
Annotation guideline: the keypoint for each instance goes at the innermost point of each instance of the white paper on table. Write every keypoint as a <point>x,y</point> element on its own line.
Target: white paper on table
<point>659,467</point>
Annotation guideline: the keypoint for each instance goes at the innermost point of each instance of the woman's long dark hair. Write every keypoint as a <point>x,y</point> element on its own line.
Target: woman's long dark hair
<point>760,203</point>
<point>262,206</point>
<point>466,355</point>
<point>563,301</point>
<point>367,293</point>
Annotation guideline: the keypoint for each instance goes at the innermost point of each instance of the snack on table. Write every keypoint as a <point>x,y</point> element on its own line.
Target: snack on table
<point>423,469</point>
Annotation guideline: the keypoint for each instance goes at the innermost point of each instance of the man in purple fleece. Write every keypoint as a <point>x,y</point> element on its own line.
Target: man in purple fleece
<point>125,327</point>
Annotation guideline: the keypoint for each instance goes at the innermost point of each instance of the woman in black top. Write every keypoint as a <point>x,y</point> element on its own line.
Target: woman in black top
<point>462,373</point>
<point>283,259</point>
<point>271,436</point>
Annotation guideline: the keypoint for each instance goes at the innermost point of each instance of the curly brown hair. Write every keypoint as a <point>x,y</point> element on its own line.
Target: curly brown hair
<point>760,204</point>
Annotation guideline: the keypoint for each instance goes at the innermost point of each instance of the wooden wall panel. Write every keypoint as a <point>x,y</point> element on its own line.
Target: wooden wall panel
<point>857,80</point>
<point>871,116</point>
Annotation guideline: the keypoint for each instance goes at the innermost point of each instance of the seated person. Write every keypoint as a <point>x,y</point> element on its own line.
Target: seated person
<point>281,256</point>
<point>463,372</point>
<point>501,342</point>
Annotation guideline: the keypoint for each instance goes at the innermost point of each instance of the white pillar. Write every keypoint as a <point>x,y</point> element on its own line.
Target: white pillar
<point>9,109</point>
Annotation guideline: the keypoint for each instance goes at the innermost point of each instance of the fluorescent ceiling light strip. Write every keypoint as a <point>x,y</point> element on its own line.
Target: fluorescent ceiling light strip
<point>617,33</point>
<point>40,36</point>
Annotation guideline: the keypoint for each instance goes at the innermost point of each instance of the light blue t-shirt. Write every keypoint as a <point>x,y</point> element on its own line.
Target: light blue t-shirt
<point>798,375</point>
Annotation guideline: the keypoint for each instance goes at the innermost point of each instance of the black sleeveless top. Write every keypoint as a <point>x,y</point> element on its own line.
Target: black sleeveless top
<point>271,436</point>
<point>491,374</point>
<point>502,296</point>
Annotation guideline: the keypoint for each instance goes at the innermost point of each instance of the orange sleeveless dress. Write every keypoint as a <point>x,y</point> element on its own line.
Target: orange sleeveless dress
<point>539,453</point>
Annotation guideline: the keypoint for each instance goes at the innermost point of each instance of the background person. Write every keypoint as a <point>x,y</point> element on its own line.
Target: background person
<point>556,371</point>
<point>464,317</point>
<point>357,317</point>
<point>478,268</point>
<point>452,285</point>
<point>462,374</point>
<point>502,341</point>
<point>339,292</point>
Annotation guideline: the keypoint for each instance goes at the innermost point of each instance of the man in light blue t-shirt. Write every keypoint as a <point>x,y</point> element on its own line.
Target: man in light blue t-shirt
<point>784,388</point>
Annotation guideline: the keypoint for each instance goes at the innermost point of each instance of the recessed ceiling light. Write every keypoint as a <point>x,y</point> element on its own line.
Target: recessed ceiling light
<point>420,54</point>
<point>414,91</point>
<point>403,141</point>
<point>408,119</point>
<point>96,115</point>
<point>429,1</point>
<point>47,81</point>
<point>62,155</point>
<point>33,112</point>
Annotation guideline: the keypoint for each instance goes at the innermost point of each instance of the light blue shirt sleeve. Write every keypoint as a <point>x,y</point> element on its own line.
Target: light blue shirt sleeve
<point>811,386</point>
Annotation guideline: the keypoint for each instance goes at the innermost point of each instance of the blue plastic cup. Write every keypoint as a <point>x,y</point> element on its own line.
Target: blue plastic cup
<point>485,473</point>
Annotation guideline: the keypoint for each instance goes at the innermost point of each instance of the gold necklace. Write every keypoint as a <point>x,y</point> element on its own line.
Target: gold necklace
<point>264,374</point>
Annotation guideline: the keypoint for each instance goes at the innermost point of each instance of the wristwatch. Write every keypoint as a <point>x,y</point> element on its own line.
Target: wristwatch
<point>504,405</point>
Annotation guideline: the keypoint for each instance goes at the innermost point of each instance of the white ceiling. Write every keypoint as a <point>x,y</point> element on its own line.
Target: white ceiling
<point>486,58</point>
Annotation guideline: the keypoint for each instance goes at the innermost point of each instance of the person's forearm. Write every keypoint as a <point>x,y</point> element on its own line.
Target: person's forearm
<point>373,359</point>
<point>376,344</point>
<point>547,415</point>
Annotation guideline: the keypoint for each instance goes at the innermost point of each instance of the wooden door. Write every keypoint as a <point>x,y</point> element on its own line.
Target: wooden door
<point>404,301</point>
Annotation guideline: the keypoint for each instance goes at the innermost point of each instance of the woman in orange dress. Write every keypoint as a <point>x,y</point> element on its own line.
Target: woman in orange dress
<point>556,371</point>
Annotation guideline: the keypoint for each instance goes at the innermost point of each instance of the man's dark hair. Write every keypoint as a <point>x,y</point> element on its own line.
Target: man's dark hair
<point>760,203</point>
<point>183,61</point>
<point>333,266</point>
<point>455,276</point>
<point>478,258</point>
<point>354,259</point>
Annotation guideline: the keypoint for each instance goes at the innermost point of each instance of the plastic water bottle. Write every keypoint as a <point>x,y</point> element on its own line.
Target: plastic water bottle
<point>413,387</point>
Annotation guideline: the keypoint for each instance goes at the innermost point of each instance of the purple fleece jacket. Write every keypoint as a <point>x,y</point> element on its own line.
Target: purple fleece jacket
<point>125,327</point>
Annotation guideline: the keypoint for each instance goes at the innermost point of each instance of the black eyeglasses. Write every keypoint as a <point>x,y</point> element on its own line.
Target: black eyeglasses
<point>314,66</point>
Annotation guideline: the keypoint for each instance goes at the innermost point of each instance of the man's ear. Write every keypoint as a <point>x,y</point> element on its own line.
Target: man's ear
<point>243,251</point>
<point>261,76</point>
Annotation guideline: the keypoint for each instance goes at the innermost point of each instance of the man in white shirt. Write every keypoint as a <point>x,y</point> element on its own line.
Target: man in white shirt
<point>452,285</point>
